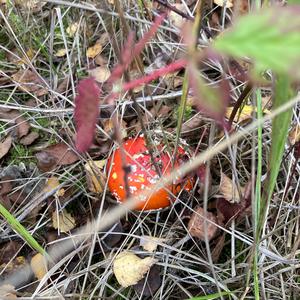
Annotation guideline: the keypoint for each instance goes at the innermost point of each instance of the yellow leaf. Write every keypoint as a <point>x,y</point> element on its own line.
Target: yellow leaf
<point>71,29</point>
<point>65,222</point>
<point>39,266</point>
<point>93,51</point>
<point>244,114</point>
<point>229,190</point>
<point>101,74</point>
<point>61,52</point>
<point>94,176</point>
<point>129,268</point>
<point>51,184</point>
<point>228,4</point>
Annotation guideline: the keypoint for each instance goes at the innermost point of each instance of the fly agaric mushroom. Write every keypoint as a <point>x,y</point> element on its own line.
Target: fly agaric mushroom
<point>143,174</point>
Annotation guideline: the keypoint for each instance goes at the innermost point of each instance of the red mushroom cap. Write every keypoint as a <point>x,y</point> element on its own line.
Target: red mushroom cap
<point>143,174</point>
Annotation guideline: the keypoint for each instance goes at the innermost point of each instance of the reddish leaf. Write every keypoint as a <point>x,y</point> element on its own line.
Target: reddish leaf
<point>228,211</point>
<point>86,112</point>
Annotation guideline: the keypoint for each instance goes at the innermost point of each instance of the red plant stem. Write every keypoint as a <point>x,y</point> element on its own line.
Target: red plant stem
<point>176,65</point>
<point>148,35</point>
<point>126,59</point>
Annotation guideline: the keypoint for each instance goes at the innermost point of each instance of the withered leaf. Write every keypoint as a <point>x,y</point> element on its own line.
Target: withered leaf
<point>8,250</point>
<point>29,138</point>
<point>218,247</point>
<point>129,268</point>
<point>227,211</point>
<point>39,266</point>
<point>193,123</point>
<point>294,135</point>
<point>196,225</point>
<point>229,190</point>
<point>22,126</point>
<point>93,51</point>
<point>95,177</point>
<point>30,82</point>
<point>101,74</point>
<point>5,146</point>
<point>63,221</point>
<point>56,155</point>
<point>150,283</point>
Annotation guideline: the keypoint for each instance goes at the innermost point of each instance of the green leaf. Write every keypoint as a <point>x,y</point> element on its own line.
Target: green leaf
<point>270,37</point>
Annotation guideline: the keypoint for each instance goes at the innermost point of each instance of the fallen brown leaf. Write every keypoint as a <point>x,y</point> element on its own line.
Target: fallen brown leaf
<point>217,247</point>
<point>95,177</point>
<point>294,135</point>
<point>22,126</point>
<point>227,211</point>
<point>196,225</point>
<point>193,123</point>
<point>149,284</point>
<point>29,138</point>
<point>5,146</point>
<point>101,74</point>
<point>14,117</point>
<point>229,190</point>
<point>8,250</point>
<point>56,155</point>
<point>63,221</point>
<point>30,82</point>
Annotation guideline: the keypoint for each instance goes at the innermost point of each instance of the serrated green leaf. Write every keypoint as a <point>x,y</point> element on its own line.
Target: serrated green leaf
<point>270,37</point>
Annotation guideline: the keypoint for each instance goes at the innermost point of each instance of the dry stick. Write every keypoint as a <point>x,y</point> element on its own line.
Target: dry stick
<point>59,250</point>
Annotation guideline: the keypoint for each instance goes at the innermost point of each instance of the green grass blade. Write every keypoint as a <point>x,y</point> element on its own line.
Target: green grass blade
<point>212,296</point>
<point>257,192</point>
<point>280,127</point>
<point>21,230</point>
